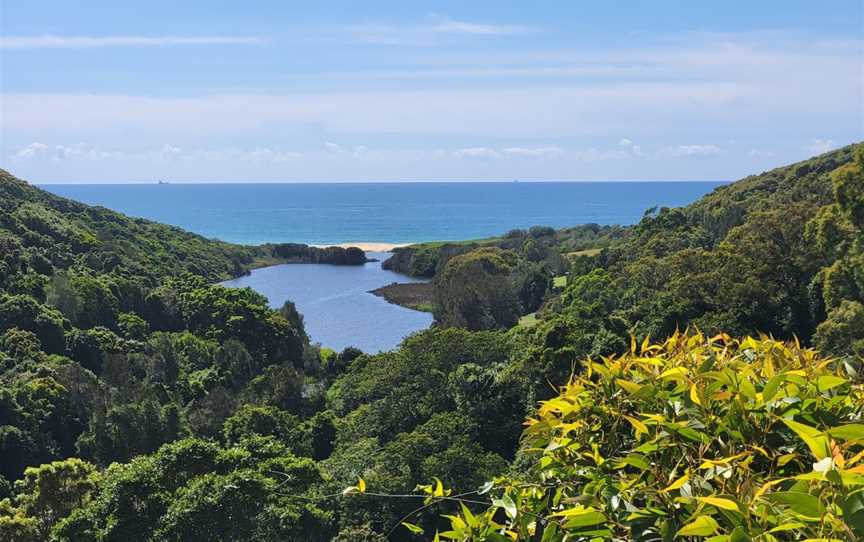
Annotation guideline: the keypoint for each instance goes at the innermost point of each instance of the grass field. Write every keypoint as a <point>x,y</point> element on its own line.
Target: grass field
<point>529,320</point>
<point>586,252</point>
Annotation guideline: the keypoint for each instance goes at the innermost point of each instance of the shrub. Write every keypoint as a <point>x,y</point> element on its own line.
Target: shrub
<point>694,438</point>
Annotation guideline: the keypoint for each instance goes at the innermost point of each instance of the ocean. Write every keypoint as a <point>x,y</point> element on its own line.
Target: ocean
<point>337,307</point>
<point>319,213</point>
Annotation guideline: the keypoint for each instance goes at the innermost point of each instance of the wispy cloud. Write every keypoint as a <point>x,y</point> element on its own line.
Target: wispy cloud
<point>630,147</point>
<point>691,150</point>
<point>535,152</point>
<point>430,33</point>
<point>758,153</point>
<point>462,27</point>
<point>49,41</point>
<point>32,150</point>
<point>335,148</point>
<point>516,152</point>
<point>819,146</point>
<point>37,151</point>
<point>484,153</point>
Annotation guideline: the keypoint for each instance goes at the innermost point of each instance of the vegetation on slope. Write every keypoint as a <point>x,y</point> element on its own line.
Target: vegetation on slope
<point>538,243</point>
<point>138,401</point>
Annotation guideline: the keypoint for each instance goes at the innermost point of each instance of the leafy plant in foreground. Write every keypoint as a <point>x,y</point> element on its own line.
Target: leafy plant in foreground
<point>694,438</point>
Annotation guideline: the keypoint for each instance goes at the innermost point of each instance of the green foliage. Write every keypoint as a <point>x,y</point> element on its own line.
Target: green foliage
<point>299,253</point>
<point>773,253</point>
<point>474,291</point>
<point>133,326</point>
<point>692,437</point>
<point>49,493</point>
<point>192,489</point>
<point>839,232</point>
<point>209,415</point>
<point>539,244</point>
<point>23,312</point>
<point>240,314</point>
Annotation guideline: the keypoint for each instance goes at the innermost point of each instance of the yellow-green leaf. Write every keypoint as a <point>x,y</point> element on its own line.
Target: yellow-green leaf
<point>694,394</point>
<point>413,528</point>
<point>812,437</point>
<point>439,488</point>
<point>725,504</point>
<point>701,526</point>
<point>787,527</point>
<point>637,425</point>
<point>849,431</point>
<point>825,383</point>
<point>631,387</point>
<point>361,485</point>
<point>676,373</point>
<point>677,484</point>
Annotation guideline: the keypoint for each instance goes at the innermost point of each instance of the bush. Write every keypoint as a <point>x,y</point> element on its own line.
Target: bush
<point>689,439</point>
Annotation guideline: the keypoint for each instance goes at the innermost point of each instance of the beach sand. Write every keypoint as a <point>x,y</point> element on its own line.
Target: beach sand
<point>368,247</point>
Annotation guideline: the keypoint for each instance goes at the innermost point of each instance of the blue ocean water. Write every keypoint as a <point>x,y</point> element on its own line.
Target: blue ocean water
<point>336,305</point>
<point>318,213</point>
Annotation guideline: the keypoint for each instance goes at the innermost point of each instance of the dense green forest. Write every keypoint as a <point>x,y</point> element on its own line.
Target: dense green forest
<point>139,401</point>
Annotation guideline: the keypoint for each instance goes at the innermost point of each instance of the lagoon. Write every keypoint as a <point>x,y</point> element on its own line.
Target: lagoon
<point>335,302</point>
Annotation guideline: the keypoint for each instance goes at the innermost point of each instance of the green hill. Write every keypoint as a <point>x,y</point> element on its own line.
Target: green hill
<point>39,229</point>
<point>139,401</point>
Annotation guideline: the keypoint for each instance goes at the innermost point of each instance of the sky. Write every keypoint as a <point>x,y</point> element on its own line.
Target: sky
<point>281,91</point>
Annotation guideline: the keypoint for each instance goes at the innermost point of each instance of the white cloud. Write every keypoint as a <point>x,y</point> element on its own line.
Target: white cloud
<point>819,146</point>
<point>691,150</point>
<point>430,33</point>
<point>37,151</point>
<point>266,154</point>
<point>756,153</point>
<point>30,151</point>
<point>462,27</point>
<point>629,147</point>
<point>356,151</point>
<point>535,152</point>
<point>477,152</point>
<point>169,152</point>
<point>84,42</point>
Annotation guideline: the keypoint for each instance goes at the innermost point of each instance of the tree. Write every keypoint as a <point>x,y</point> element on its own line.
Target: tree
<point>474,291</point>
<point>840,231</point>
<point>25,313</point>
<point>50,492</point>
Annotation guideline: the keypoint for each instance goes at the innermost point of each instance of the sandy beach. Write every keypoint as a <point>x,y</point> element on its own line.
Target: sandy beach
<point>368,247</point>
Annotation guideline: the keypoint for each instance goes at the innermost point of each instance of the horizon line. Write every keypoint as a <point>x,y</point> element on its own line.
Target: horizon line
<point>515,181</point>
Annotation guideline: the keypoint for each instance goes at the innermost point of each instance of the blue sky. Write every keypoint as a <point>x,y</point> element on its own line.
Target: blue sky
<point>343,91</point>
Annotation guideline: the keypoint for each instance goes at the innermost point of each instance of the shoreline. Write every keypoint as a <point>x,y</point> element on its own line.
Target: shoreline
<point>416,296</point>
<point>367,246</point>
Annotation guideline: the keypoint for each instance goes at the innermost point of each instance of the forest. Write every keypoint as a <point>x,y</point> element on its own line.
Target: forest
<point>695,376</point>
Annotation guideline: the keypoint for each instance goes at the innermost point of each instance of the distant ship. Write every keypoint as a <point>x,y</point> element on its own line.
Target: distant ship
<point>162,182</point>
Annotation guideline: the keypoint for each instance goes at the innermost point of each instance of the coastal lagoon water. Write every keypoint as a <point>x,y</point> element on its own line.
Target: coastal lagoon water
<point>331,213</point>
<point>336,305</point>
